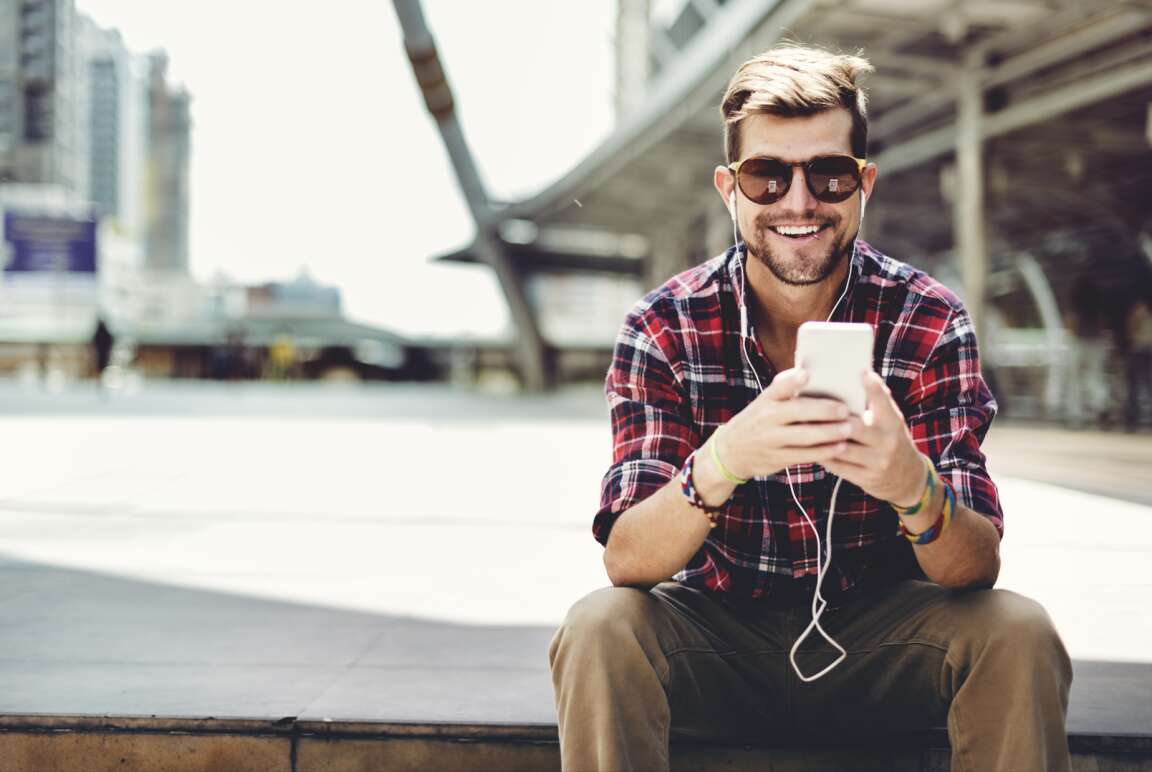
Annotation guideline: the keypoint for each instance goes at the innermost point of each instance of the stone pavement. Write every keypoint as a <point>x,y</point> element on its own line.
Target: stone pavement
<point>405,553</point>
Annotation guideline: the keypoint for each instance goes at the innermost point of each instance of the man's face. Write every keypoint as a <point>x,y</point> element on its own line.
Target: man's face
<point>807,259</point>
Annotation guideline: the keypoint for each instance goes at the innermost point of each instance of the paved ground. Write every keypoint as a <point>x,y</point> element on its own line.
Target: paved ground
<point>360,552</point>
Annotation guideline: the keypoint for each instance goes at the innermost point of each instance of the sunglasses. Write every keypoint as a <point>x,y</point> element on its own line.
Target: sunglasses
<point>830,178</point>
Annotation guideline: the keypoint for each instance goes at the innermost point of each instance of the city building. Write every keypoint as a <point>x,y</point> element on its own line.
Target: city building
<point>39,130</point>
<point>112,104</point>
<point>94,184</point>
<point>169,143</point>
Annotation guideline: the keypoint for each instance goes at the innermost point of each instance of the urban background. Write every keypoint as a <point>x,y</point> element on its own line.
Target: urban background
<point>305,311</point>
<point>1012,142</point>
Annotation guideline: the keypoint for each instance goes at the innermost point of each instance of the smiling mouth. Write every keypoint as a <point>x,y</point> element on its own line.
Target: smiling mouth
<point>798,232</point>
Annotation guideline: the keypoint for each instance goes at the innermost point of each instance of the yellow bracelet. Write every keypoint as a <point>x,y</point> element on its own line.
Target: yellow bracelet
<point>720,464</point>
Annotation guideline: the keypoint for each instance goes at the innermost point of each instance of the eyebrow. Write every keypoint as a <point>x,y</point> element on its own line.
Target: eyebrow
<point>817,154</point>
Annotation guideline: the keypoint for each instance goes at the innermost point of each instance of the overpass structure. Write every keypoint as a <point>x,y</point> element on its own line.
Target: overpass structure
<point>1012,139</point>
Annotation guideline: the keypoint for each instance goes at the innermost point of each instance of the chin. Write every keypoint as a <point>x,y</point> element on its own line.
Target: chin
<point>799,271</point>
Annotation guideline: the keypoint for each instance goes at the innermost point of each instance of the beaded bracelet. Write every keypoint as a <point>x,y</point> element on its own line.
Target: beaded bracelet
<point>926,496</point>
<point>688,488</point>
<point>933,533</point>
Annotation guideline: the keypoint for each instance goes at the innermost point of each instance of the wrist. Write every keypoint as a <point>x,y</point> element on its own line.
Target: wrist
<point>696,485</point>
<point>928,514</point>
<point>927,526</point>
<point>722,460</point>
<point>714,489</point>
<point>917,485</point>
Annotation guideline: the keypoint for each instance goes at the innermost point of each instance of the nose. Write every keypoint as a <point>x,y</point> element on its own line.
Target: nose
<point>798,198</point>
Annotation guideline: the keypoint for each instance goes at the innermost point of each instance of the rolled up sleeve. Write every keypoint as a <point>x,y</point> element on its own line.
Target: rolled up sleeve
<point>949,410</point>
<point>652,429</point>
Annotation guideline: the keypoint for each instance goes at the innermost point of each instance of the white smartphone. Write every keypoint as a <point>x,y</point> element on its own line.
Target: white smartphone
<point>835,354</point>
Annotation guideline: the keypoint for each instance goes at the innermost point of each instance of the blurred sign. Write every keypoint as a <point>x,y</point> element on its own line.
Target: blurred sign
<point>49,243</point>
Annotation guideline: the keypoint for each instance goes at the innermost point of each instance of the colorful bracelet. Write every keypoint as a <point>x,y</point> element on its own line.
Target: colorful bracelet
<point>727,475</point>
<point>925,497</point>
<point>933,533</point>
<point>688,488</point>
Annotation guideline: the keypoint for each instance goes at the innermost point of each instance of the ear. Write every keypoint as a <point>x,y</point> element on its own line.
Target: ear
<point>868,180</point>
<point>726,187</point>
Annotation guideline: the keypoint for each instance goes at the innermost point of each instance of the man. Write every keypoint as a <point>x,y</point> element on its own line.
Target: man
<point>696,441</point>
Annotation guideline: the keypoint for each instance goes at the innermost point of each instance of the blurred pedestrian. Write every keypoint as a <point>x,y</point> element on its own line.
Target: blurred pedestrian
<point>1089,392</point>
<point>1138,362</point>
<point>102,342</point>
<point>281,358</point>
<point>228,358</point>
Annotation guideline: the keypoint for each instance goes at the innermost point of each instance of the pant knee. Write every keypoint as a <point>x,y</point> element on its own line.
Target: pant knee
<point>1022,619</point>
<point>1019,628</point>
<point>604,620</point>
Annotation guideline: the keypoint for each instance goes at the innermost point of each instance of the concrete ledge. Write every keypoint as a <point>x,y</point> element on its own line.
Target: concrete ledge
<point>42,743</point>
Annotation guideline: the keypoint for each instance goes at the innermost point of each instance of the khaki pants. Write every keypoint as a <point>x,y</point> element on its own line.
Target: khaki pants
<point>630,667</point>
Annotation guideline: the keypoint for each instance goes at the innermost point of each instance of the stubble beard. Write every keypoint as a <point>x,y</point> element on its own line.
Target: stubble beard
<point>802,267</point>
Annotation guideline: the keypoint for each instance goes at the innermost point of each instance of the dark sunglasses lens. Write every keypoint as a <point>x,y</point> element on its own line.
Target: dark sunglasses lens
<point>833,178</point>
<point>763,180</point>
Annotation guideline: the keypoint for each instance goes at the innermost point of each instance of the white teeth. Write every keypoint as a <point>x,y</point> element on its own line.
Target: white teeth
<point>796,230</point>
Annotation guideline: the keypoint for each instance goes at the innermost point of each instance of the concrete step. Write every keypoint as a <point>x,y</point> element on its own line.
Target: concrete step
<point>117,744</point>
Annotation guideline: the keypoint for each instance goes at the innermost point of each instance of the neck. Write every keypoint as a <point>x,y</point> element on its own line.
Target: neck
<point>777,309</point>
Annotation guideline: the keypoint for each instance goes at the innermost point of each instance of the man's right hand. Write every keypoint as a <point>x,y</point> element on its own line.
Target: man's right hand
<point>779,429</point>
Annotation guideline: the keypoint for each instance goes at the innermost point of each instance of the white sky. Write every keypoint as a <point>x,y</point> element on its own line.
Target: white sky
<point>311,145</point>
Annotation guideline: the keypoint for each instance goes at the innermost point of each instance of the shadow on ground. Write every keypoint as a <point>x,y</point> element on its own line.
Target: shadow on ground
<point>77,642</point>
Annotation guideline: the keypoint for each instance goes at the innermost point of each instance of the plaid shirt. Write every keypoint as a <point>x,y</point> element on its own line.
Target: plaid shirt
<point>677,374</point>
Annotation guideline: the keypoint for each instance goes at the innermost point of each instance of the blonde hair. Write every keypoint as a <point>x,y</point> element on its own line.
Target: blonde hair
<point>790,81</point>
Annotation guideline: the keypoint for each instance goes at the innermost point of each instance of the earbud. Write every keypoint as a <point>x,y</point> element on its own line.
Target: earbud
<point>732,205</point>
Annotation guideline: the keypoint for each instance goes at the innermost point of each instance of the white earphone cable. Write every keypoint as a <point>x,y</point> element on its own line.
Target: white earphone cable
<point>819,604</point>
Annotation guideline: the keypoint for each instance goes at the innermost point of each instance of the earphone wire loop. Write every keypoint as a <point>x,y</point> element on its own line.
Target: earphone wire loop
<point>819,603</point>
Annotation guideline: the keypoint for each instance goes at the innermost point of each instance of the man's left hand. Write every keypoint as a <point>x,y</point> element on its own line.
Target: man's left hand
<point>881,458</point>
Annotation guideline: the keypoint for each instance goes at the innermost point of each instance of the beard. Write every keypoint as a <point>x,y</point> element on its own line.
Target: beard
<point>800,265</point>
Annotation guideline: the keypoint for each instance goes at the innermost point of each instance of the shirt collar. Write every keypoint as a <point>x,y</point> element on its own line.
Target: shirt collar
<point>737,274</point>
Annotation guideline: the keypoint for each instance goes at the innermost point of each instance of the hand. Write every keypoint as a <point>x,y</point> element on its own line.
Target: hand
<point>780,429</point>
<point>881,458</point>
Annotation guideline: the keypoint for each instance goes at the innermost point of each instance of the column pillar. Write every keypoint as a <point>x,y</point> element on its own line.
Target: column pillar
<point>969,233</point>
<point>632,52</point>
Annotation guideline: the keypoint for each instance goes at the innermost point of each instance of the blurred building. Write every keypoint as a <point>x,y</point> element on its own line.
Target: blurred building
<point>114,112</point>
<point>71,108</point>
<point>71,173</point>
<point>302,297</point>
<point>169,144</point>
<point>228,331</point>
<point>39,129</point>
<point>79,204</point>
<point>1012,141</point>
<point>94,202</point>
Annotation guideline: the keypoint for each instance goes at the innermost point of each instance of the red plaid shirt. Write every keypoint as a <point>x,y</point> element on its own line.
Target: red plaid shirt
<point>677,374</point>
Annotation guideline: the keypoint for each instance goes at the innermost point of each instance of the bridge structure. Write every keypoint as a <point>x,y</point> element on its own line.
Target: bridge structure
<point>1011,138</point>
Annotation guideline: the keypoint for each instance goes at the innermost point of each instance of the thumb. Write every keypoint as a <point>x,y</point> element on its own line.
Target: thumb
<point>787,384</point>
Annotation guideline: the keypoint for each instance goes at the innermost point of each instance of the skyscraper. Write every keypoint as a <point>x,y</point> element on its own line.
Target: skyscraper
<point>111,96</point>
<point>166,197</point>
<point>39,133</point>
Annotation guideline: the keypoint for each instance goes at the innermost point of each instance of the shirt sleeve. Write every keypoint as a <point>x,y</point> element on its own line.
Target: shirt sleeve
<point>652,429</point>
<point>949,411</point>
